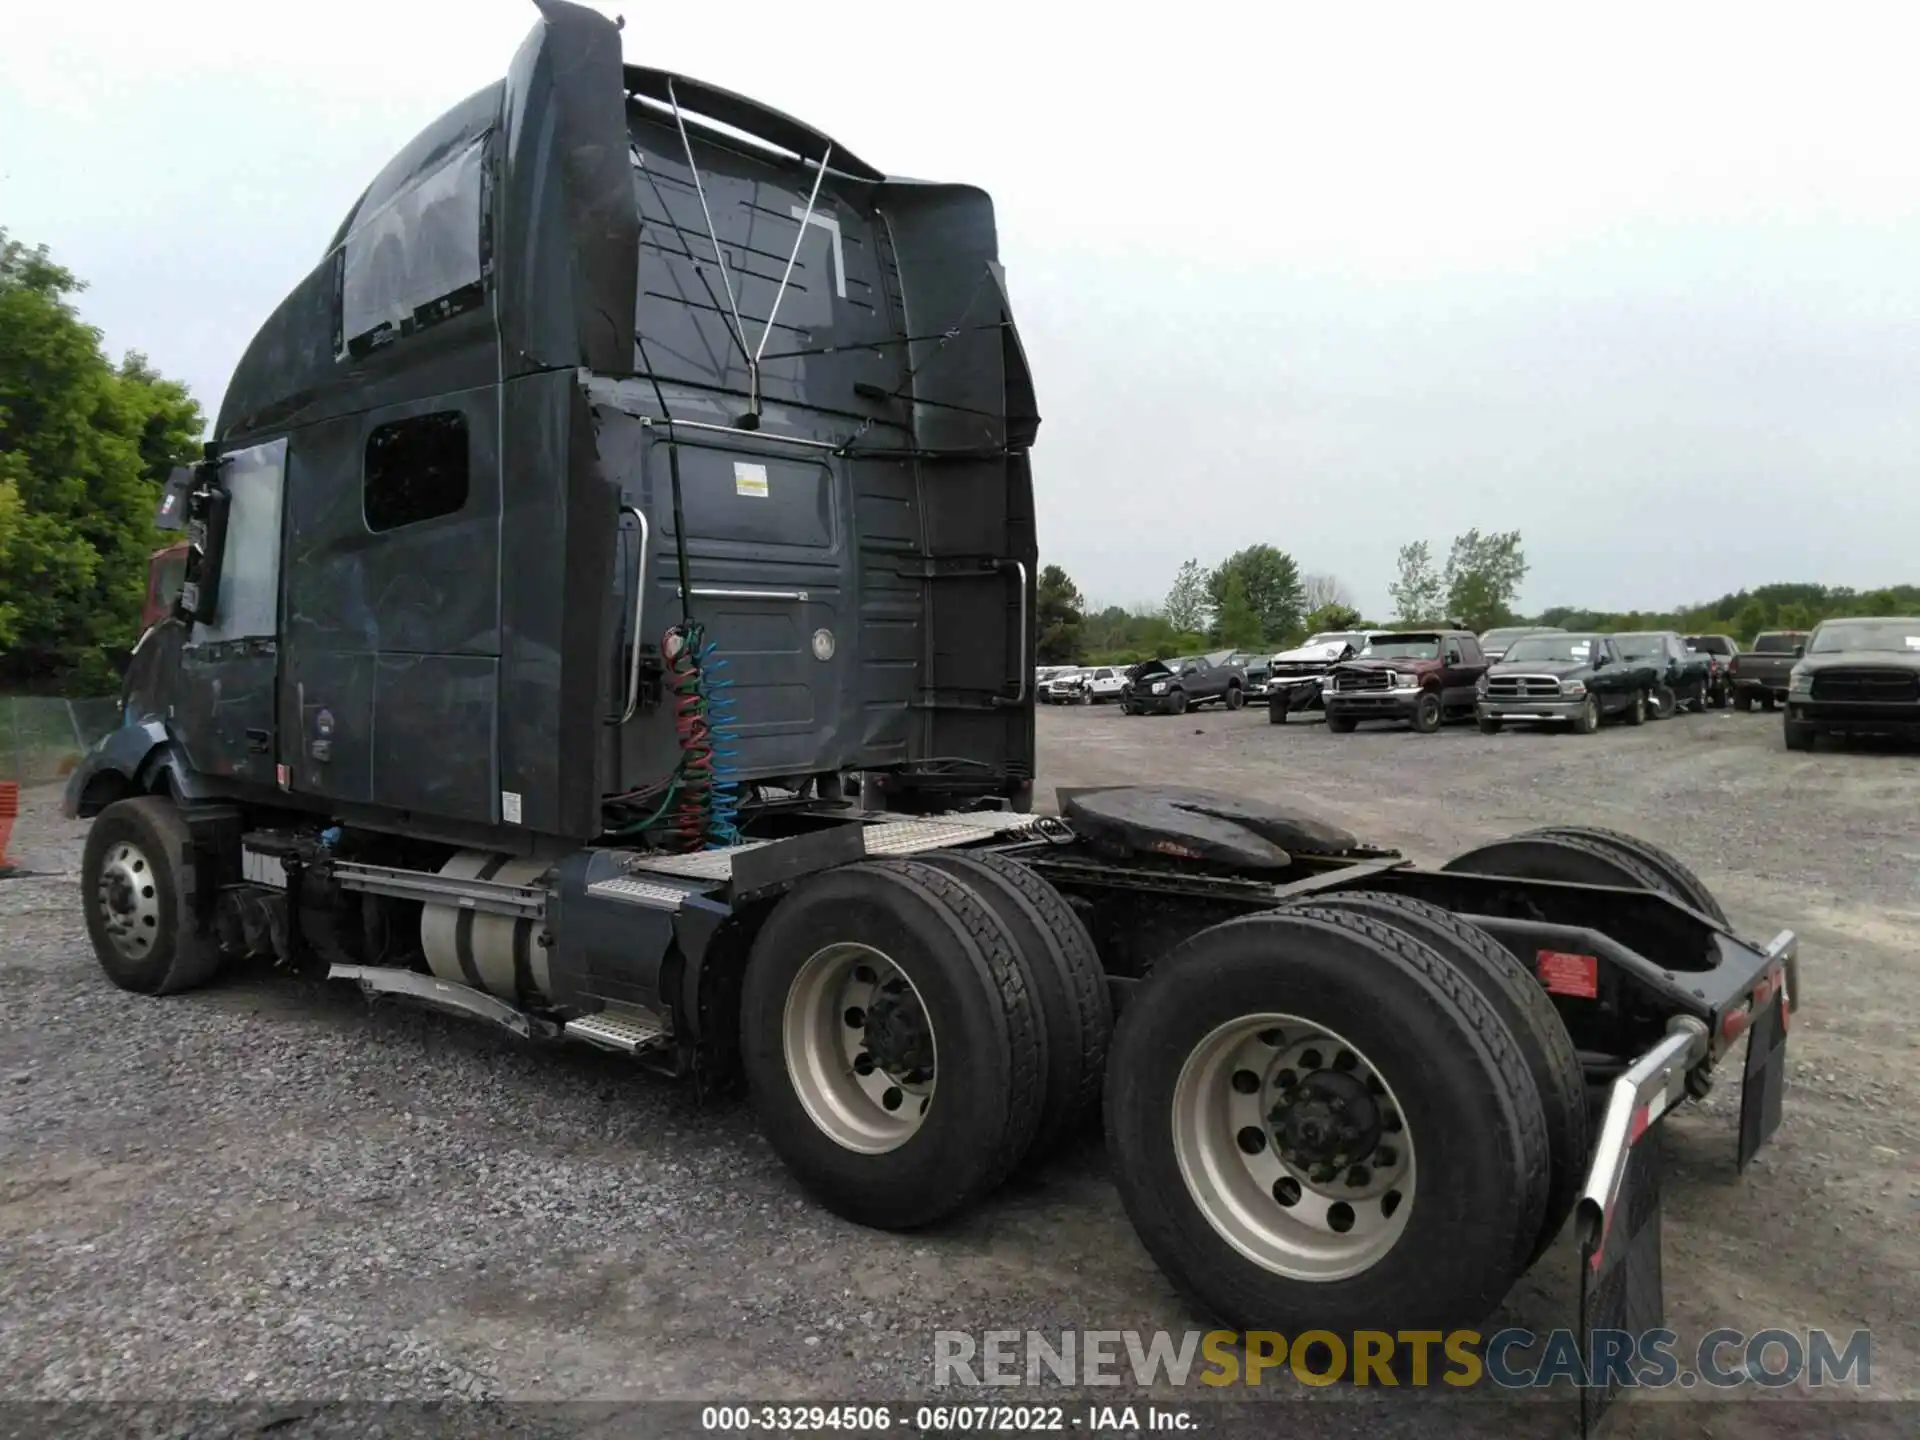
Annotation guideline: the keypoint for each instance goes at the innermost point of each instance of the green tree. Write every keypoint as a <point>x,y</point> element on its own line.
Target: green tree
<point>1272,584</point>
<point>1188,607</point>
<point>1059,606</point>
<point>1240,624</point>
<point>1418,589</point>
<point>1483,577</point>
<point>1332,617</point>
<point>84,448</point>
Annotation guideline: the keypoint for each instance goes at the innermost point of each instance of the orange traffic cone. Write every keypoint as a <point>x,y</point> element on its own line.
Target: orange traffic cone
<point>9,808</point>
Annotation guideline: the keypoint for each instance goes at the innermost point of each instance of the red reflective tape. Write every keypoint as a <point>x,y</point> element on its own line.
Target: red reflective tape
<point>1568,974</point>
<point>1642,1118</point>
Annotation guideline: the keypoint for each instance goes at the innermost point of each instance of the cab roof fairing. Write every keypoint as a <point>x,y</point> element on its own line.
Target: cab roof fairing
<point>559,210</point>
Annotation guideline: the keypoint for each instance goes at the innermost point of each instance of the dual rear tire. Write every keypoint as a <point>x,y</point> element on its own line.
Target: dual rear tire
<point>1320,1117</point>
<point>913,1030</point>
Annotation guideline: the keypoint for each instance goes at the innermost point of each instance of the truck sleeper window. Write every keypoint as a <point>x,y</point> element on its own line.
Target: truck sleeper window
<point>416,469</point>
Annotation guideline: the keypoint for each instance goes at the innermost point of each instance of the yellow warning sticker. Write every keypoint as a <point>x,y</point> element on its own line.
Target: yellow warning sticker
<point>749,479</point>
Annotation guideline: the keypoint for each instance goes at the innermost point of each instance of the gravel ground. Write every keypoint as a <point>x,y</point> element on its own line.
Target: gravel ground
<point>263,1190</point>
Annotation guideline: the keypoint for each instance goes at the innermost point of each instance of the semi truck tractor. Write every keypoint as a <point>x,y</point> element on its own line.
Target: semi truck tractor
<point>636,468</point>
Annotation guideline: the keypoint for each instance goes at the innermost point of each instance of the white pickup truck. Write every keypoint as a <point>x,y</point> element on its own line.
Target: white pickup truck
<point>1088,686</point>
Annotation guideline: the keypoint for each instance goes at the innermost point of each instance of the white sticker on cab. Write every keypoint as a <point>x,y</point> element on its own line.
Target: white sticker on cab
<point>749,479</point>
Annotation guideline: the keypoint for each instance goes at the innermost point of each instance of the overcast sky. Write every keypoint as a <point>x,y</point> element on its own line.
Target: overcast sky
<point>1645,288</point>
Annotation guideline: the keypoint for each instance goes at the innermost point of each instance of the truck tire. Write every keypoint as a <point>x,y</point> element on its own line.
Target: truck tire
<point>1340,724</point>
<point>1665,703</point>
<point>1069,984</point>
<point>1676,879</point>
<point>1236,697</point>
<point>1697,698</point>
<point>1276,712</point>
<point>1588,720</point>
<point>137,874</point>
<point>1177,702</point>
<point>1220,1118</point>
<point>1527,1012</point>
<point>898,955</point>
<point>1767,702</point>
<point>1743,701</point>
<point>1428,712</point>
<point>1489,725</point>
<point>1798,735</point>
<point>1636,713</point>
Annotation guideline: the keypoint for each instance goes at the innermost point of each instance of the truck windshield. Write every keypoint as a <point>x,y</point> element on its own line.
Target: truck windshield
<point>1896,636</point>
<point>1711,644</point>
<point>1638,647</point>
<point>1780,643</point>
<point>1402,647</point>
<point>1334,637</point>
<point>1551,649</point>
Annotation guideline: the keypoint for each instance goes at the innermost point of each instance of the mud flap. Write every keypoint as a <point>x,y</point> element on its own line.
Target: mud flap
<point>1621,1285</point>
<point>1765,1082</point>
<point>1622,1291</point>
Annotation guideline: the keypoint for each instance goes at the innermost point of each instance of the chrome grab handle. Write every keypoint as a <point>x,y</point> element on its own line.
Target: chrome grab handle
<point>1022,664</point>
<point>639,611</point>
<point>709,592</point>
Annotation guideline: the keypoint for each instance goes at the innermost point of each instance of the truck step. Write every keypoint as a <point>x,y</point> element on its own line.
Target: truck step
<point>628,1030</point>
<point>649,892</point>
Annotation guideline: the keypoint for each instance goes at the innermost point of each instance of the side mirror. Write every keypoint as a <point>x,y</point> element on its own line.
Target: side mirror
<point>1600,662</point>
<point>1798,651</point>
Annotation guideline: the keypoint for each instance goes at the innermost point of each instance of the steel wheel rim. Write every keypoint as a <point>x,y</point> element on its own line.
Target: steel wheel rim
<point>1590,713</point>
<point>848,1002</point>
<point>1280,1213</point>
<point>127,897</point>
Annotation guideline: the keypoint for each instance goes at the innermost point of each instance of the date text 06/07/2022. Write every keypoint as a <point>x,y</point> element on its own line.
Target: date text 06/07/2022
<point>946,1419</point>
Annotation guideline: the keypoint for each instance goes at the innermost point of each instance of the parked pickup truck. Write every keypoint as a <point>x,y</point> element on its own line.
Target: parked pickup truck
<point>1577,680</point>
<point>1172,687</point>
<point>1088,686</point>
<point>1858,677</point>
<point>1422,677</point>
<point>1761,673</point>
<point>1719,650</point>
<point>1682,676</point>
<point>1494,643</point>
<point>1294,676</point>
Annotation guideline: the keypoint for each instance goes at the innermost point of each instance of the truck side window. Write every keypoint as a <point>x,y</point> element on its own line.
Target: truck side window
<point>416,469</point>
<point>1453,653</point>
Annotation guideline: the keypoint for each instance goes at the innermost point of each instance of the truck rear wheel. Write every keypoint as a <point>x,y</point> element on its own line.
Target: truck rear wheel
<point>1676,879</point>
<point>1317,1122</point>
<point>1069,984</point>
<point>894,1053</point>
<point>1743,701</point>
<point>137,874</point>
<point>1524,1008</point>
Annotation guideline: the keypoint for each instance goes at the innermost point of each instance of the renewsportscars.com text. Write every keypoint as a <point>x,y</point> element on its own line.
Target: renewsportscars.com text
<point>1510,1359</point>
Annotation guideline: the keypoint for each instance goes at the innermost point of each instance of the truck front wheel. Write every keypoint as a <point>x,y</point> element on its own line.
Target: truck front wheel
<point>893,1049</point>
<point>137,873</point>
<point>1428,712</point>
<point>1799,736</point>
<point>1317,1122</point>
